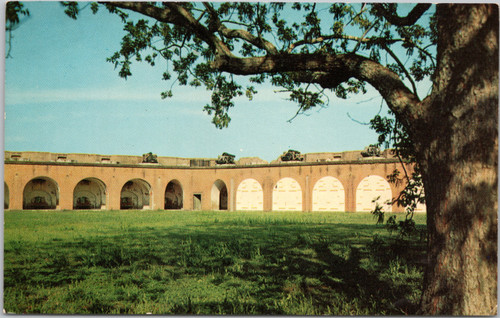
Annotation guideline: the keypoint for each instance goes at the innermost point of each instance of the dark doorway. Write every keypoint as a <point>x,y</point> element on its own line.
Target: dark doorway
<point>173,196</point>
<point>223,198</point>
<point>5,196</point>
<point>135,195</point>
<point>197,202</point>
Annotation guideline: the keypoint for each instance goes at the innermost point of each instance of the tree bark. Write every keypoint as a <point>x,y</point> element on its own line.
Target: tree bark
<point>458,154</point>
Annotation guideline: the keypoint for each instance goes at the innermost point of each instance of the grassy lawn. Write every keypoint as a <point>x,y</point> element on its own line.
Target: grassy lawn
<point>166,262</point>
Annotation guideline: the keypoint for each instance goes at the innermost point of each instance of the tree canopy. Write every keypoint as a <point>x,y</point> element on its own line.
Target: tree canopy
<point>305,49</point>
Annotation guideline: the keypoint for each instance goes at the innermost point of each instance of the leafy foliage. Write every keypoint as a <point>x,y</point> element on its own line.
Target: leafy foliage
<point>14,12</point>
<point>190,36</point>
<point>394,135</point>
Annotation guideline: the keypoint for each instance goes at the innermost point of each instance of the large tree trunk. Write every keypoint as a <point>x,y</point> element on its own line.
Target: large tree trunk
<point>458,155</point>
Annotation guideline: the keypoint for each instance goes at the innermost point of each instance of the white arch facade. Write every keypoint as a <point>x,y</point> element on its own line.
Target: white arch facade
<point>371,188</point>
<point>249,196</point>
<point>287,195</point>
<point>328,195</point>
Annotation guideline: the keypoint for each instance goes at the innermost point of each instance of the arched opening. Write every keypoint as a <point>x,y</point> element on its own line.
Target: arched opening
<point>249,196</point>
<point>328,195</point>
<point>371,188</point>
<point>90,193</point>
<point>135,194</point>
<point>173,196</point>
<point>287,195</point>
<point>41,193</point>
<point>6,198</point>
<point>219,195</point>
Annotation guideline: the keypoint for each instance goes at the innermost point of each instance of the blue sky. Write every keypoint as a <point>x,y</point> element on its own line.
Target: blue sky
<point>62,96</point>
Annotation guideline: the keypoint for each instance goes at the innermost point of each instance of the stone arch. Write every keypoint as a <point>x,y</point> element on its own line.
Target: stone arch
<point>135,194</point>
<point>6,198</point>
<point>219,195</point>
<point>369,189</point>
<point>328,195</point>
<point>41,193</point>
<point>89,193</point>
<point>174,196</point>
<point>287,195</point>
<point>249,196</point>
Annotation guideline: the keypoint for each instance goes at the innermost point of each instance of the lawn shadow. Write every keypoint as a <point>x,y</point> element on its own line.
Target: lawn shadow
<point>321,264</point>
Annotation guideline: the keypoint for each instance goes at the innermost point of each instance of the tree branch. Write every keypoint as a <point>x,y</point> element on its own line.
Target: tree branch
<point>9,43</point>
<point>175,14</point>
<point>329,71</point>
<point>363,37</point>
<point>401,65</point>
<point>358,39</point>
<point>410,19</point>
<point>250,38</point>
<point>259,42</point>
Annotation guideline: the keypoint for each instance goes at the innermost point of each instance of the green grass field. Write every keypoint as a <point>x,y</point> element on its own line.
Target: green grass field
<point>166,262</point>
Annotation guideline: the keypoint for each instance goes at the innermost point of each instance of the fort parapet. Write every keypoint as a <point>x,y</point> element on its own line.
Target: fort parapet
<point>343,181</point>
